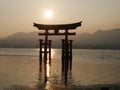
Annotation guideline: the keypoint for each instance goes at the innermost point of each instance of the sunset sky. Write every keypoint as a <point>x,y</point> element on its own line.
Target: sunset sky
<point>19,15</point>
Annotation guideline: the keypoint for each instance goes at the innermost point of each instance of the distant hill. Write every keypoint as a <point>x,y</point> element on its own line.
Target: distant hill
<point>107,39</point>
<point>20,39</point>
<point>101,39</point>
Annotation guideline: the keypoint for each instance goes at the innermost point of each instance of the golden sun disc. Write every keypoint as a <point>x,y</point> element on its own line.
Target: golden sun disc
<point>48,14</point>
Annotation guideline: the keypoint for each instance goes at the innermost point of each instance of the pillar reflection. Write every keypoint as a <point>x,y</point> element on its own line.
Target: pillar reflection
<point>47,63</point>
<point>45,75</point>
<point>66,58</point>
<point>66,77</point>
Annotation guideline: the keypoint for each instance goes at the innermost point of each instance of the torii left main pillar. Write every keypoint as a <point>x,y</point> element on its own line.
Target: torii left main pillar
<point>47,49</point>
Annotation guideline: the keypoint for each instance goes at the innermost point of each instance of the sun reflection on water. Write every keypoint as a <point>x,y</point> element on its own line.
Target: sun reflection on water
<point>52,53</point>
<point>48,68</point>
<point>47,83</point>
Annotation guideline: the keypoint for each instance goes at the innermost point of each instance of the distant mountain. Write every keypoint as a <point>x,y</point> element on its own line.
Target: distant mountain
<point>107,39</point>
<point>20,39</point>
<point>101,39</point>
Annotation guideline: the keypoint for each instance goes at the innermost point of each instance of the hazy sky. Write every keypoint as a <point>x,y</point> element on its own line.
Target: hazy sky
<point>19,15</point>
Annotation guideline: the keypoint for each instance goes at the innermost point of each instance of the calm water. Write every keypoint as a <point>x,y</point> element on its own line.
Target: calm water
<point>20,68</point>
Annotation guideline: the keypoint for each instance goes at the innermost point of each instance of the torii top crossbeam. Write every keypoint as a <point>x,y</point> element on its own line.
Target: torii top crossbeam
<point>58,27</point>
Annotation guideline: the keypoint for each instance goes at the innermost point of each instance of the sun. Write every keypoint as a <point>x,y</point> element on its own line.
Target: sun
<point>48,14</point>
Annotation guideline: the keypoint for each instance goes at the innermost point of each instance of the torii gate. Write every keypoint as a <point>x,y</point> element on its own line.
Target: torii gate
<point>66,43</point>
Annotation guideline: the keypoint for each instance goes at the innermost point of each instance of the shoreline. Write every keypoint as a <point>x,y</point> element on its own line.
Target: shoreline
<point>66,87</point>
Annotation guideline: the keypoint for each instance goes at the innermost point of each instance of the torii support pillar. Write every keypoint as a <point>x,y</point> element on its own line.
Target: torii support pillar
<point>50,52</point>
<point>40,52</point>
<point>69,55</point>
<point>63,55</point>
<point>66,57</point>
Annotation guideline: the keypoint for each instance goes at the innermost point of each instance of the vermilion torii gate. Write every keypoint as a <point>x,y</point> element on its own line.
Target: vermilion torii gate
<point>66,43</point>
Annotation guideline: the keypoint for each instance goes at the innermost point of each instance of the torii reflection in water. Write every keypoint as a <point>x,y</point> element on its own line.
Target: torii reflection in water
<point>45,75</point>
<point>66,46</point>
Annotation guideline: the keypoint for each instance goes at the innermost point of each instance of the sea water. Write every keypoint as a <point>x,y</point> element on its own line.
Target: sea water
<point>20,68</point>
